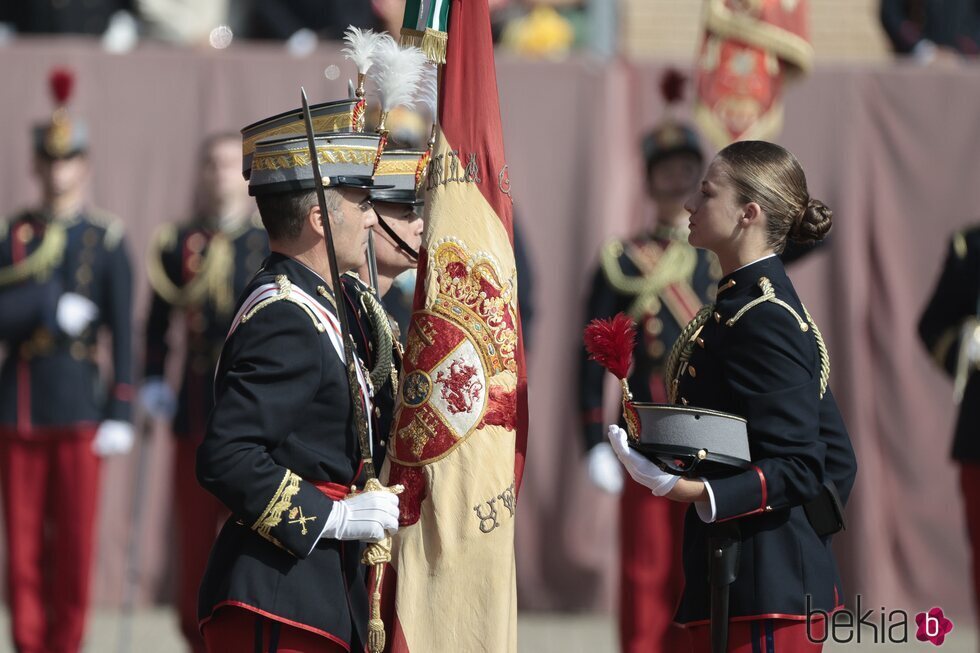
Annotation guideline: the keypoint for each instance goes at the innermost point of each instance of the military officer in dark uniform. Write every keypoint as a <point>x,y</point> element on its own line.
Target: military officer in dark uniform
<point>197,269</point>
<point>64,277</point>
<point>757,353</point>
<point>397,238</point>
<point>281,449</point>
<point>660,281</point>
<point>950,329</point>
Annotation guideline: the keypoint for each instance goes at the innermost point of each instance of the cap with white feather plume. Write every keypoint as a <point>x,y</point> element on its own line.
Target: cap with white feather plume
<point>361,48</point>
<point>397,76</point>
<point>397,73</point>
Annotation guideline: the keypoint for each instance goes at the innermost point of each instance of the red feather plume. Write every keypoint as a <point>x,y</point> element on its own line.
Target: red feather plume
<point>672,85</point>
<point>610,343</point>
<point>62,81</point>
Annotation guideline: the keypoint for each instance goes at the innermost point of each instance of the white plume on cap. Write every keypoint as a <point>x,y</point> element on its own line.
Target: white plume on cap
<point>361,46</point>
<point>397,73</point>
<point>427,97</point>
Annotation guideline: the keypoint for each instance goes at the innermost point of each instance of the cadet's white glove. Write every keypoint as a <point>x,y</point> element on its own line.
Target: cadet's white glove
<point>157,398</point>
<point>642,470</point>
<point>605,472</point>
<point>369,517</point>
<point>113,437</point>
<point>74,313</point>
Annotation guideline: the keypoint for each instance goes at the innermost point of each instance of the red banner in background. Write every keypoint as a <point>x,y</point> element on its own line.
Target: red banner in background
<point>750,48</point>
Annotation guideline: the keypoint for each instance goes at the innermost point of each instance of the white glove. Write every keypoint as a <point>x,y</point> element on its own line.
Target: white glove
<point>302,43</point>
<point>157,398</point>
<point>113,438</point>
<point>642,470</point>
<point>605,472</point>
<point>369,517</point>
<point>74,313</point>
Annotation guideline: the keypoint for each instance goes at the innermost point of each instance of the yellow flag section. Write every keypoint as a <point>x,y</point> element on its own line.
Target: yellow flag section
<point>454,436</point>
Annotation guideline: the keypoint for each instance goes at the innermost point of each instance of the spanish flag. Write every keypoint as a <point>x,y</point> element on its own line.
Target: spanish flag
<point>459,431</point>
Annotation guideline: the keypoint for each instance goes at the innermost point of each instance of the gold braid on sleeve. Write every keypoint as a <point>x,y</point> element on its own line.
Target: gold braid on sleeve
<point>682,349</point>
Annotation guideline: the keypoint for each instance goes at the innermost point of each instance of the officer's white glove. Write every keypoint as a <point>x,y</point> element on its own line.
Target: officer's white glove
<point>113,438</point>
<point>75,312</point>
<point>157,398</point>
<point>642,470</point>
<point>369,517</point>
<point>605,472</point>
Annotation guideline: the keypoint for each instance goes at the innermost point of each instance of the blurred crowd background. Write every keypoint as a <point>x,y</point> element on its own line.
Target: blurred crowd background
<point>884,124</point>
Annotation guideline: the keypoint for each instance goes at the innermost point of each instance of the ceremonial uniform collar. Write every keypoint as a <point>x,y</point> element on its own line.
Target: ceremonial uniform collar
<point>747,275</point>
<point>301,275</point>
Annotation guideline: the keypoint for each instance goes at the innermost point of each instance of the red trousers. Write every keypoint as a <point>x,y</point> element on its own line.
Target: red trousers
<point>761,636</point>
<point>651,530</point>
<point>50,494</point>
<point>970,485</point>
<point>237,630</point>
<point>198,515</point>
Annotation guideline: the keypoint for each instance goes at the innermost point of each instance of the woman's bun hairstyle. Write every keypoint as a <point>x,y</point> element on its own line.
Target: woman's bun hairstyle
<point>813,224</point>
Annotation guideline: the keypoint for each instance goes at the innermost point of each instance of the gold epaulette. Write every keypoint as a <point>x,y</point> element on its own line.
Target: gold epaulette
<point>769,295</point>
<point>284,293</point>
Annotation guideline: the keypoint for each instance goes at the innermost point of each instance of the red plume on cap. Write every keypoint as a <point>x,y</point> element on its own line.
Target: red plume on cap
<point>672,85</point>
<point>610,343</point>
<point>62,81</point>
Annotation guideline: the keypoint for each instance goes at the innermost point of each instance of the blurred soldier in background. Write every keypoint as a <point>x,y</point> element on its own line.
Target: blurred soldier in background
<point>197,269</point>
<point>660,281</point>
<point>950,329</point>
<point>64,273</point>
<point>932,30</point>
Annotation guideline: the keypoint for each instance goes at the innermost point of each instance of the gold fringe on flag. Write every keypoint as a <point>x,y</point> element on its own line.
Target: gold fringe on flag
<point>434,45</point>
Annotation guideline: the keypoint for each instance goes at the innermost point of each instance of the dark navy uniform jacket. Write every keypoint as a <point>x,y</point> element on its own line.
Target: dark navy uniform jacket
<point>186,279</point>
<point>631,279</point>
<point>283,421</point>
<point>760,359</point>
<point>51,380</point>
<point>956,298</point>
